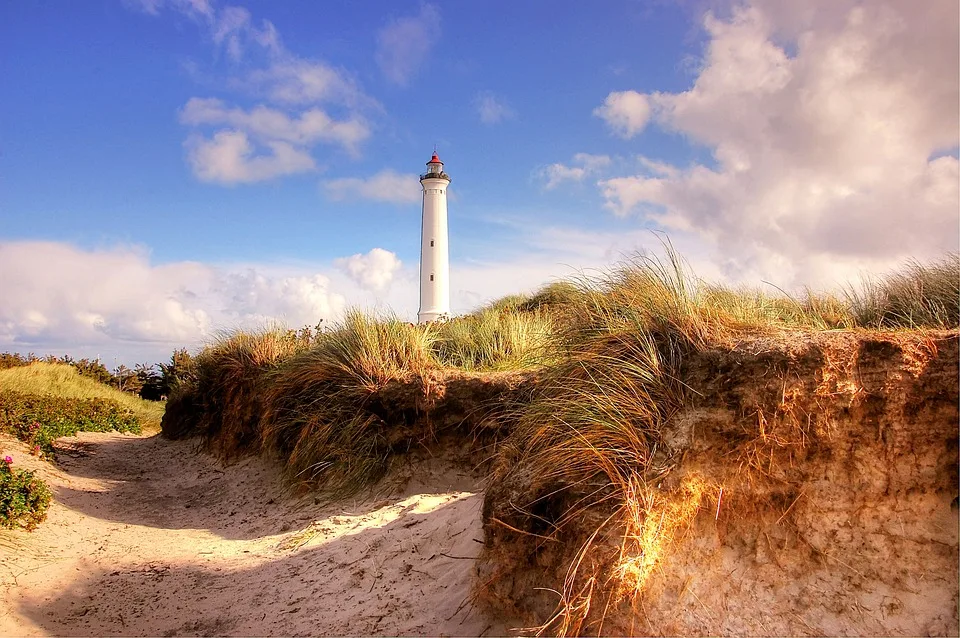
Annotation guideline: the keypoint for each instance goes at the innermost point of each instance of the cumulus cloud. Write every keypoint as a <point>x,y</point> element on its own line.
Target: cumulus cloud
<point>583,164</point>
<point>404,44</point>
<point>284,142</point>
<point>292,80</point>
<point>266,141</point>
<point>60,298</point>
<point>271,125</point>
<point>626,112</point>
<point>373,271</point>
<point>229,158</point>
<point>827,126</point>
<point>493,109</point>
<point>385,186</point>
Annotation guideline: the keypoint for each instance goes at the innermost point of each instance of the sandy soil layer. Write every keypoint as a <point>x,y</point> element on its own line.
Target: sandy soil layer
<point>149,537</point>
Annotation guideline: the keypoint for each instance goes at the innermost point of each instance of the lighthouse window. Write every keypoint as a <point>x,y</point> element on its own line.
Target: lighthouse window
<point>431,243</point>
<point>431,277</point>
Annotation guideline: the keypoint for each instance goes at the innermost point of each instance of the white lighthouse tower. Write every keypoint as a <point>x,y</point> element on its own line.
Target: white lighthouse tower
<point>434,253</point>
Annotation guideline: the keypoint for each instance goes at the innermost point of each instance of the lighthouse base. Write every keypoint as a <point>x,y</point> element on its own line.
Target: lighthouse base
<point>431,316</point>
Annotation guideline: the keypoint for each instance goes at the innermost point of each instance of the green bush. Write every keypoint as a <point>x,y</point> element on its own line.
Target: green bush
<point>39,419</point>
<point>24,498</point>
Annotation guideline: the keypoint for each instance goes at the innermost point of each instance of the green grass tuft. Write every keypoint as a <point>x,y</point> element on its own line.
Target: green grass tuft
<point>496,339</point>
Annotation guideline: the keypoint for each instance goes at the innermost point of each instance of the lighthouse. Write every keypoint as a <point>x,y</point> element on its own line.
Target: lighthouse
<point>434,253</point>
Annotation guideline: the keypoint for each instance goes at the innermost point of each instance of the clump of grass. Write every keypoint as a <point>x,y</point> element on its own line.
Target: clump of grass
<point>224,401</point>
<point>323,414</point>
<point>496,339</point>
<point>554,296</point>
<point>594,436</point>
<point>916,296</point>
<point>510,303</point>
<point>61,380</point>
<point>596,428</point>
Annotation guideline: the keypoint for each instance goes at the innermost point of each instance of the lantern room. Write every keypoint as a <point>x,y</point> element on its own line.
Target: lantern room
<point>434,166</point>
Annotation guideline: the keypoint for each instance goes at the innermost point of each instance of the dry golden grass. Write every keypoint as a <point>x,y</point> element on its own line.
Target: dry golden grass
<point>611,348</point>
<point>318,414</point>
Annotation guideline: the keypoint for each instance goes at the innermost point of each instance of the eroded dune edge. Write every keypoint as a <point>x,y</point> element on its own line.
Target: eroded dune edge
<point>790,483</point>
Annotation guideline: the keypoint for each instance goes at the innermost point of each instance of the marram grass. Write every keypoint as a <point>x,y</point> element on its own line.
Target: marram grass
<point>608,350</point>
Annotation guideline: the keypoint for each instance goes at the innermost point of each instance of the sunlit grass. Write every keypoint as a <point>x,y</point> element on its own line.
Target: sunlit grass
<point>496,339</point>
<point>57,379</point>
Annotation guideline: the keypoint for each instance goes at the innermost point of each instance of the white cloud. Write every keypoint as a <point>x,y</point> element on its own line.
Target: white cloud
<point>493,109</point>
<point>404,44</point>
<point>822,150</point>
<point>626,112</point>
<point>192,8</point>
<point>583,164</point>
<point>385,186</point>
<point>230,158</point>
<point>272,125</point>
<point>231,27</point>
<point>265,142</point>
<point>292,80</point>
<point>373,271</point>
<point>59,298</point>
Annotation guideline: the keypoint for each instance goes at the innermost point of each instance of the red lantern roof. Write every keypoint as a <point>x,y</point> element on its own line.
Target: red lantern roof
<point>434,159</point>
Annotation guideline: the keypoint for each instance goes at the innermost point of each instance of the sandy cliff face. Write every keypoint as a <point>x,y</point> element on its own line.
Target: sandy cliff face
<point>811,489</point>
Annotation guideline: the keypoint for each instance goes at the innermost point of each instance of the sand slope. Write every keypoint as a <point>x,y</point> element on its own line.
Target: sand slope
<point>149,537</point>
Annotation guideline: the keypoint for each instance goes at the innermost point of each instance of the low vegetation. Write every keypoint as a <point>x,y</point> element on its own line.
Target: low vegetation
<point>41,401</point>
<point>39,419</point>
<point>62,381</point>
<point>608,352</point>
<point>496,338</point>
<point>24,498</point>
<point>150,382</point>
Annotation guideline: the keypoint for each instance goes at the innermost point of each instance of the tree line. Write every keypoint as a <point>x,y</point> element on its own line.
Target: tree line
<point>151,382</point>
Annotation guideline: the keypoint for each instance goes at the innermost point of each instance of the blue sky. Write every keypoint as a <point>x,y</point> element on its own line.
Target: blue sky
<point>171,168</point>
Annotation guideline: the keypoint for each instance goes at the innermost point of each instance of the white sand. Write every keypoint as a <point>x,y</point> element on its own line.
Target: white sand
<point>149,537</point>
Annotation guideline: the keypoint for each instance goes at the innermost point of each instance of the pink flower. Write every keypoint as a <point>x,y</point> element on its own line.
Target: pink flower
<point>8,460</point>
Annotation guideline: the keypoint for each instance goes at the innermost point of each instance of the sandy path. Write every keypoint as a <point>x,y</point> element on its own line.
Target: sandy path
<point>148,537</point>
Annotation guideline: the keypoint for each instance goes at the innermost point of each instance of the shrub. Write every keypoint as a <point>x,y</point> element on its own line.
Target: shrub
<point>39,419</point>
<point>24,498</point>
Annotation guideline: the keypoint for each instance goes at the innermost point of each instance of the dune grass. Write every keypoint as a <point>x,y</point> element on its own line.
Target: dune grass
<point>223,400</point>
<point>62,380</point>
<point>596,428</point>
<point>609,351</point>
<point>496,338</point>
<point>322,417</point>
<point>915,296</point>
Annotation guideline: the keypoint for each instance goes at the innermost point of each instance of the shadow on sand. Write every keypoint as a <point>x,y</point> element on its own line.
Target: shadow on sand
<point>412,575</point>
<point>167,484</point>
